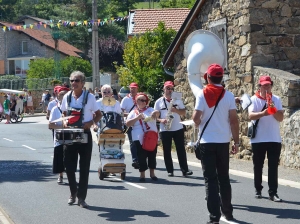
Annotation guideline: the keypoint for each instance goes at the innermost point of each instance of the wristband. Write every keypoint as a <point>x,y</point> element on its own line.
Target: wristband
<point>236,144</point>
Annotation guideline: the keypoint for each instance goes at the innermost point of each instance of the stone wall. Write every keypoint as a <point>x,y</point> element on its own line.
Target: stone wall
<point>259,33</point>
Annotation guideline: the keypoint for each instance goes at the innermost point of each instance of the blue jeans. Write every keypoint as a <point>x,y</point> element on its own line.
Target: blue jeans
<point>132,146</point>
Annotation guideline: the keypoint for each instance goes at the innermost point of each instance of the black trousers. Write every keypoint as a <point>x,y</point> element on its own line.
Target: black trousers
<point>71,153</point>
<point>143,155</point>
<point>58,159</point>
<point>215,167</point>
<point>133,148</point>
<point>178,137</point>
<point>272,149</point>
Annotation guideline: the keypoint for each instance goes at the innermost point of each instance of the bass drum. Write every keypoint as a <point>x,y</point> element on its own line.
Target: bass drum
<point>111,120</point>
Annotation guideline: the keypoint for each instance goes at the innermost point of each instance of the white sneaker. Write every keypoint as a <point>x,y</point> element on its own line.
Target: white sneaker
<point>60,180</point>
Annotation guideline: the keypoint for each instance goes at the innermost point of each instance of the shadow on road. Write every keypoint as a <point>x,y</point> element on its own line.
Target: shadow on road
<point>22,171</point>
<point>280,213</point>
<point>107,187</point>
<point>124,215</point>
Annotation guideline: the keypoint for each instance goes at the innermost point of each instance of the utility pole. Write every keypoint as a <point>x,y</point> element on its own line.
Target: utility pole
<point>95,43</point>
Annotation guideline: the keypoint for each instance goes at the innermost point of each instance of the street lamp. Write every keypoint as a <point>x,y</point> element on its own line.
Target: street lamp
<point>95,45</point>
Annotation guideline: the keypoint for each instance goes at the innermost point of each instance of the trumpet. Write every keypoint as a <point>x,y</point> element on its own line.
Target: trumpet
<point>271,106</point>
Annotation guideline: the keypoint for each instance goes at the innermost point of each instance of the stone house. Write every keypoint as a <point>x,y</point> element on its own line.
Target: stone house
<point>18,46</point>
<point>38,23</point>
<point>259,37</point>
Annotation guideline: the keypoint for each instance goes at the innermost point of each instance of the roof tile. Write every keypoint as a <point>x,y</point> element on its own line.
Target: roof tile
<point>148,19</point>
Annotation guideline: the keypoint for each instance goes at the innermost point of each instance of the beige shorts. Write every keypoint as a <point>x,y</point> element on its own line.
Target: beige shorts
<point>29,104</point>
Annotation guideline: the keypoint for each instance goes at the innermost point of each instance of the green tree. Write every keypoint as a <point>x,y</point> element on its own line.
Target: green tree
<point>70,64</point>
<point>177,3</point>
<point>142,59</point>
<point>40,69</point>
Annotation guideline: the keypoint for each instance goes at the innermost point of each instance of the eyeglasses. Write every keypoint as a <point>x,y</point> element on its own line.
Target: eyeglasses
<point>168,88</point>
<point>106,92</point>
<point>142,100</point>
<point>74,80</point>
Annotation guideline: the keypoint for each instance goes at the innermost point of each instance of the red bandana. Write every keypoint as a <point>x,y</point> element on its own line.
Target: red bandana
<point>212,93</point>
<point>257,94</point>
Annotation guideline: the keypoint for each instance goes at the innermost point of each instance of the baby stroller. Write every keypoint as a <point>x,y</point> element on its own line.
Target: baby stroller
<point>110,140</point>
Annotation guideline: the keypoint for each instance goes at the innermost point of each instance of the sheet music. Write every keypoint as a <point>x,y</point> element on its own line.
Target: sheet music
<point>245,101</point>
<point>176,95</point>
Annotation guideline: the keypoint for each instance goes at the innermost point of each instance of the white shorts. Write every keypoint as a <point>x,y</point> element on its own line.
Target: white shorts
<point>7,112</point>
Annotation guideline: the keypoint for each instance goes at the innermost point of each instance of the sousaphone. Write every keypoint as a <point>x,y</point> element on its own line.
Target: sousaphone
<point>202,48</point>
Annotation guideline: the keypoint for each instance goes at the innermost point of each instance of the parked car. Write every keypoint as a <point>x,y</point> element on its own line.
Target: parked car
<point>123,92</point>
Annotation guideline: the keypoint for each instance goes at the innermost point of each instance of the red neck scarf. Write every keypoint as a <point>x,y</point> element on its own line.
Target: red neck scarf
<point>257,94</point>
<point>212,93</point>
<point>142,110</point>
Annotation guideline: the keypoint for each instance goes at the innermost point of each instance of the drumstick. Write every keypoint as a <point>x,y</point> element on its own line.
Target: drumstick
<point>126,130</point>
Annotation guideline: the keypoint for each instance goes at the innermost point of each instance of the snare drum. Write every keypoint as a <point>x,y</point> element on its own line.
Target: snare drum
<point>70,136</point>
<point>111,120</point>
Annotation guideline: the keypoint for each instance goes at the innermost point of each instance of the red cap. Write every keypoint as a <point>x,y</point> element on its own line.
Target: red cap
<point>56,88</point>
<point>62,88</point>
<point>168,83</point>
<point>215,70</point>
<point>263,80</point>
<point>133,85</point>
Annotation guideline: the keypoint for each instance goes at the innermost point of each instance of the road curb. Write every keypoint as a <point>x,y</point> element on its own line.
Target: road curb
<point>4,218</point>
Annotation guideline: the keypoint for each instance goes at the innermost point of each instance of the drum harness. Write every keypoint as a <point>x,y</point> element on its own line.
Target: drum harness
<point>70,109</point>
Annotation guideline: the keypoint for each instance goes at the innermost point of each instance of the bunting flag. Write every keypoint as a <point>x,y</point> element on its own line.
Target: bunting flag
<point>66,23</point>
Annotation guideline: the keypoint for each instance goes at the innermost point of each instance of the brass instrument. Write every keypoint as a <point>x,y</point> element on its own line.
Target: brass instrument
<point>175,96</point>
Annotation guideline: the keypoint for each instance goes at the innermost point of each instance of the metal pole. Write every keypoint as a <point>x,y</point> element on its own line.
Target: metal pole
<point>95,44</point>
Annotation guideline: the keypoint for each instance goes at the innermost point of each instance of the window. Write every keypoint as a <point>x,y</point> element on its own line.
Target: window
<point>2,70</point>
<point>24,47</point>
<point>219,28</point>
<point>21,67</point>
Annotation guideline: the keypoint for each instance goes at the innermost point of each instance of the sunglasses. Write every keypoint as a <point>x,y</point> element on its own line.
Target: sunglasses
<point>142,100</point>
<point>74,80</point>
<point>168,88</point>
<point>106,92</point>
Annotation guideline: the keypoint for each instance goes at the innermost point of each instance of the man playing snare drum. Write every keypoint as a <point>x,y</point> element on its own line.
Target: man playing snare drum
<point>82,105</point>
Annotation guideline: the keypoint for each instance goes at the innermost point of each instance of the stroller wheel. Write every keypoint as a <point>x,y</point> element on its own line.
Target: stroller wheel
<point>101,174</point>
<point>123,175</point>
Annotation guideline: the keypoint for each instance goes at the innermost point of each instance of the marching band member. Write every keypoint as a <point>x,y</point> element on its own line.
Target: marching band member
<point>106,91</point>
<point>214,142</point>
<point>267,139</point>
<point>83,106</point>
<point>127,105</point>
<point>136,120</point>
<point>175,131</point>
<point>56,113</point>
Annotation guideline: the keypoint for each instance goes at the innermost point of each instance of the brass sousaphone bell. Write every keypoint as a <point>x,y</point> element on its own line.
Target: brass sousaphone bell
<point>108,101</point>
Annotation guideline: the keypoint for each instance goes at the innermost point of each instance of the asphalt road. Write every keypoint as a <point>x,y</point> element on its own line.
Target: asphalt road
<point>29,193</point>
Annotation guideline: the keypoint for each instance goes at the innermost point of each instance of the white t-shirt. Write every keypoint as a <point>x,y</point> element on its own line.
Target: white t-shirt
<point>55,114</point>
<point>268,128</point>
<point>89,108</point>
<point>161,106</point>
<point>52,104</point>
<point>116,108</point>
<point>218,129</point>
<point>127,103</point>
<point>137,130</point>
<point>43,97</point>
<point>29,98</point>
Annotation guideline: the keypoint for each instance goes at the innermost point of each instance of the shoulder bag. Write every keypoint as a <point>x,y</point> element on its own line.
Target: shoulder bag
<point>197,145</point>
<point>252,129</point>
<point>150,137</point>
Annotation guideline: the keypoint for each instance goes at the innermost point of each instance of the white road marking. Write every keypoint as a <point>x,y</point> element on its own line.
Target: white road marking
<point>8,139</point>
<point>28,147</point>
<point>129,183</point>
<point>4,218</point>
<point>230,222</point>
